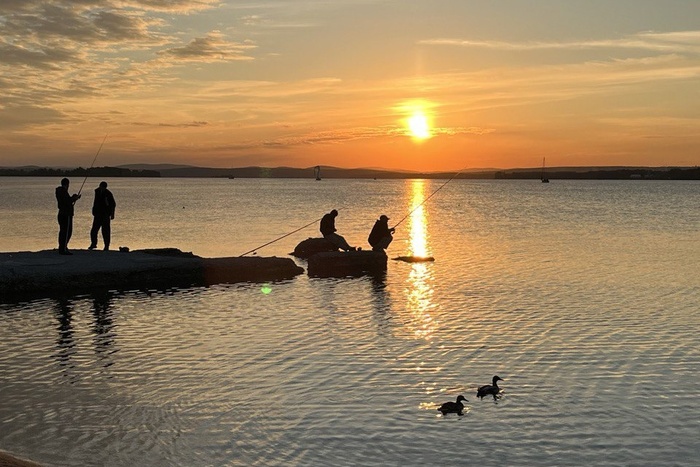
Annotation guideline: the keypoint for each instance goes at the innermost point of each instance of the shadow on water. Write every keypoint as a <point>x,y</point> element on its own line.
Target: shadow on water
<point>103,327</point>
<point>381,303</point>
<point>65,343</point>
<point>102,330</point>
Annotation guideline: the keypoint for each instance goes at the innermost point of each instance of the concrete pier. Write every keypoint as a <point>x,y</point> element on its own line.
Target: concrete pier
<point>48,274</point>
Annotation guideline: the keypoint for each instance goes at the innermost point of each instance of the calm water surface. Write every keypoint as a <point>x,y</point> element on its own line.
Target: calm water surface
<point>583,295</point>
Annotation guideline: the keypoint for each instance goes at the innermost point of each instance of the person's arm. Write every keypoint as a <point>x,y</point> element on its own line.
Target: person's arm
<point>112,205</point>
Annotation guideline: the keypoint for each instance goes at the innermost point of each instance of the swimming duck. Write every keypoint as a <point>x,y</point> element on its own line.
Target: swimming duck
<point>453,407</point>
<point>492,389</point>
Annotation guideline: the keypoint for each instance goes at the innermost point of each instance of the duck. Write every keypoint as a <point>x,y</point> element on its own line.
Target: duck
<point>491,389</point>
<point>453,407</point>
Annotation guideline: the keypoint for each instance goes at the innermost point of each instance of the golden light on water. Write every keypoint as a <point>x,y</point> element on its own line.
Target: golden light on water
<point>420,303</point>
<point>420,290</point>
<point>418,226</point>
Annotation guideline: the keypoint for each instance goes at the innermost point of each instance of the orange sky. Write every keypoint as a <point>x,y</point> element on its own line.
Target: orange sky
<point>304,83</point>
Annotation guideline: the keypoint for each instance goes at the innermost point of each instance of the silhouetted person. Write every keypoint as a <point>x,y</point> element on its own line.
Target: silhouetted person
<point>65,215</point>
<point>380,237</point>
<point>328,230</point>
<point>103,213</point>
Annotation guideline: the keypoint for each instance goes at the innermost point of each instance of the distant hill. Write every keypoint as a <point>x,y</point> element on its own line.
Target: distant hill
<point>605,173</point>
<point>308,172</point>
<point>32,171</point>
<point>329,172</point>
<point>157,167</point>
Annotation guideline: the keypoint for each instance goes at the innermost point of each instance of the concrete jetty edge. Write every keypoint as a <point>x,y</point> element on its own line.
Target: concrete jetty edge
<point>45,273</point>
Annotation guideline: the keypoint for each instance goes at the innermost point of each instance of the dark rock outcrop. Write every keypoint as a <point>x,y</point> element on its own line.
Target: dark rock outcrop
<point>311,246</point>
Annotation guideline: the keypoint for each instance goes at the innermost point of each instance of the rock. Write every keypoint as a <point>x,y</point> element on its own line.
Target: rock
<point>311,246</point>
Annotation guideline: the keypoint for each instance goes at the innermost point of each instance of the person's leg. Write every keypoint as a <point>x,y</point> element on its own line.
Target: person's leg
<point>62,232</point>
<point>338,241</point>
<point>93,232</point>
<point>106,232</point>
<point>384,242</point>
<point>69,233</point>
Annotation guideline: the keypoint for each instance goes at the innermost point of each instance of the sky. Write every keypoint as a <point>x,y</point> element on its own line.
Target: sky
<point>433,85</point>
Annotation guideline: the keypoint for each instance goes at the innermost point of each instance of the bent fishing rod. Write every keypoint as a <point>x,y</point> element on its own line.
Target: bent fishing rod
<point>93,163</point>
<point>426,199</point>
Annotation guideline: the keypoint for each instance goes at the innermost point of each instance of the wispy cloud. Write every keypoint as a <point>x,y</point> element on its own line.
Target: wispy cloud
<point>171,125</point>
<point>672,42</point>
<point>212,48</point>
<point>341,136</point>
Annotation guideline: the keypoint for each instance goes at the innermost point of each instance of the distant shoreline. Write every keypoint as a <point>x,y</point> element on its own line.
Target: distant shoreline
<point>554,173</point>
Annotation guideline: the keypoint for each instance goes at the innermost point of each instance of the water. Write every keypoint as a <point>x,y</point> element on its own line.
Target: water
<point>583,295</point>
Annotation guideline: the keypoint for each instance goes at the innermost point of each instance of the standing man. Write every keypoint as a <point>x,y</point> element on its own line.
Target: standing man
<point>103,213</point>
<point>65,216</point>
<point>380,237</point>
<point>328,230</point>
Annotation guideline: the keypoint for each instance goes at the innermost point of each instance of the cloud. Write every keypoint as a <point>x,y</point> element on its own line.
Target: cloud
<point>362,133</point>
<point>169,6</point>
<point>265,22</point>
<point>673,42</point>
<point>193,124</point>
<point>46,35</point>
<point>44,58</point>
<point>172,6</point>
<point>212,48</point>
<point>50,23</point>
<point>55,53</point>
<point>16,116</point>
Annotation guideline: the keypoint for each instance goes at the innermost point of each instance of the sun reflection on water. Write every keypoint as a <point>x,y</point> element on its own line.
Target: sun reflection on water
<point>419,288</point>
<point>418,233</point>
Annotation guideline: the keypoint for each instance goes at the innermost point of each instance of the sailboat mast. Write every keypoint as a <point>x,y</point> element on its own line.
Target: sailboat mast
<point>542,177</point>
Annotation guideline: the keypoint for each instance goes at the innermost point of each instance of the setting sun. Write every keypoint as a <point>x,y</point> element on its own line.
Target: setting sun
<point>418,126</point>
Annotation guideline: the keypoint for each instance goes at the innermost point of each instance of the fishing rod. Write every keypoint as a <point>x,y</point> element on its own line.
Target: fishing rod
<point>285,235</point>
<point>426,199</point>
<point>93,163</point>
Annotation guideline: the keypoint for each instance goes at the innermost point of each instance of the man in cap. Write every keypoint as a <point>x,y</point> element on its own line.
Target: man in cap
<point>380,237</point>
<point>103,213</point>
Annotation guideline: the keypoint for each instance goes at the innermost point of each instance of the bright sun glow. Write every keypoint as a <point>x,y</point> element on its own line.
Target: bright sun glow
<point>418,125</point>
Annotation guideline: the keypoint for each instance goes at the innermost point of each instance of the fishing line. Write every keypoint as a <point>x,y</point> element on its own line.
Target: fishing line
<point>426,199</point>
<point>285,235</point>
<point>93,163</point>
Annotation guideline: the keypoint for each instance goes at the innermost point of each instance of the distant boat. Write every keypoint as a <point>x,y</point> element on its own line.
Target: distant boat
<point>542,177</point>
<point>317,172</point>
